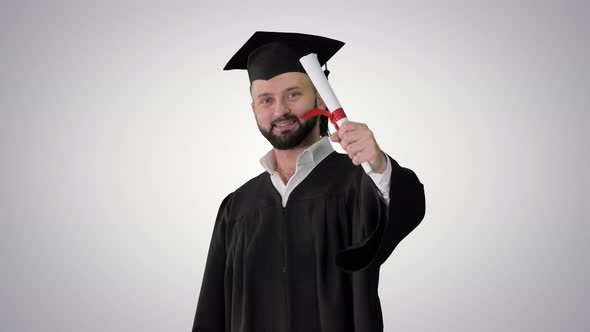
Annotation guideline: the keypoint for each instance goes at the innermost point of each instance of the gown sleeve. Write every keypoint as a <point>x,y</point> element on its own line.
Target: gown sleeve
<point>380,228</point>
<point>210,313</point>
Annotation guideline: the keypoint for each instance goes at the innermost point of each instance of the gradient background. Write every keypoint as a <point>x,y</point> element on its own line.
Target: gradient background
<point>120,134</point>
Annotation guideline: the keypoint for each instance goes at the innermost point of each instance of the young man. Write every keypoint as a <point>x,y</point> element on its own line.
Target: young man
<point>298,248</point>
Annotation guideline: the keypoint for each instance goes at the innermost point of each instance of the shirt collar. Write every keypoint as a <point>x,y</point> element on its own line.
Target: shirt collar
<point>313,155</point>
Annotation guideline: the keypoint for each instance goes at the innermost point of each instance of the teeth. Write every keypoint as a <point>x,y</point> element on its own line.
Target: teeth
<point>282,124</point>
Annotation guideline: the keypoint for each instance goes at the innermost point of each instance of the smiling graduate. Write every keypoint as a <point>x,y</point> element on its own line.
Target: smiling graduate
<point>299,247</point>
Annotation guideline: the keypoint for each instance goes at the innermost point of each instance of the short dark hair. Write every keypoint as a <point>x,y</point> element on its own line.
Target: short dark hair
<point>324,126</point>
<point>323,119</point>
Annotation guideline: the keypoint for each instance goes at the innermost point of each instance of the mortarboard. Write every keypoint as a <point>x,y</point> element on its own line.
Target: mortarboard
<point>268,54</point>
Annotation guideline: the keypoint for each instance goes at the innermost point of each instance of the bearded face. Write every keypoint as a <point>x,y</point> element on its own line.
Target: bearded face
<point>278,103</point>
<point>288,131</point>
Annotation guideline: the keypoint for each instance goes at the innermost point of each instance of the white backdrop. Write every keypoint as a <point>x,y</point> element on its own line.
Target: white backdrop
<point>120,134</point>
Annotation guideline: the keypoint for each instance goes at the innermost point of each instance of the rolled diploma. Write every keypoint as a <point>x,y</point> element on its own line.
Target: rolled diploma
<point>318,78</point>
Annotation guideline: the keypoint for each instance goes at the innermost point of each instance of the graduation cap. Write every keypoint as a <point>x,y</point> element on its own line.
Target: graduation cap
<point>268,54</point>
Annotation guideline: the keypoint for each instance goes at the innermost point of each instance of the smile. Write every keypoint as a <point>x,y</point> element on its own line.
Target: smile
<point>284,123</point>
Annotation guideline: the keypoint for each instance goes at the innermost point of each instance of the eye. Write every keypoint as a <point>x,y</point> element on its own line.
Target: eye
<point>265,101</point>
<point>294,94</point>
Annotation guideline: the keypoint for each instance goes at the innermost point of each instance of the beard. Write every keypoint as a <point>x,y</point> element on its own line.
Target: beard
<point>291,138</point>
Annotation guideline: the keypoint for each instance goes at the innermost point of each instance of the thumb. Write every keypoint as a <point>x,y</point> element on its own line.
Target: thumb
<point>334,137</point>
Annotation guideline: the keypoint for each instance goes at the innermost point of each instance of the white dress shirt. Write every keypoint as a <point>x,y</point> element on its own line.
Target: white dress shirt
<point>306,162</point>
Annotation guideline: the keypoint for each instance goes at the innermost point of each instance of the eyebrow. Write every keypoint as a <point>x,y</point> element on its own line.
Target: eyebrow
<point>266,94</point>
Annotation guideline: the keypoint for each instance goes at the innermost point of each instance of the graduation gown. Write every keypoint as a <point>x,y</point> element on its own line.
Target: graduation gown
<point>310,266</point>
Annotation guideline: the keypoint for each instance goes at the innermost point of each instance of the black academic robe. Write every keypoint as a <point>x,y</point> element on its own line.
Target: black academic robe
<point>313,265</point>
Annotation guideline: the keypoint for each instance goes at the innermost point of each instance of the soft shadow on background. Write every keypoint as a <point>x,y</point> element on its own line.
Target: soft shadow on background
<point>120,134</point>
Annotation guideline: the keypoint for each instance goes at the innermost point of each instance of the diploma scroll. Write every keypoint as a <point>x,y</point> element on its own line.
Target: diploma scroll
<point>318,78</point>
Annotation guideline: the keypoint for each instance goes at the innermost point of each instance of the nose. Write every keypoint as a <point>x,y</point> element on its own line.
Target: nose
<point>281,107</point>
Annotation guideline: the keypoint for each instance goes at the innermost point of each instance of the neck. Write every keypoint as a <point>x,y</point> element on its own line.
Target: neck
<point>287,159</point>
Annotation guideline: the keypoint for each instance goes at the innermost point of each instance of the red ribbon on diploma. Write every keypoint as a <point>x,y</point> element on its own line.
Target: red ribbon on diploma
<point>334,117</point>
